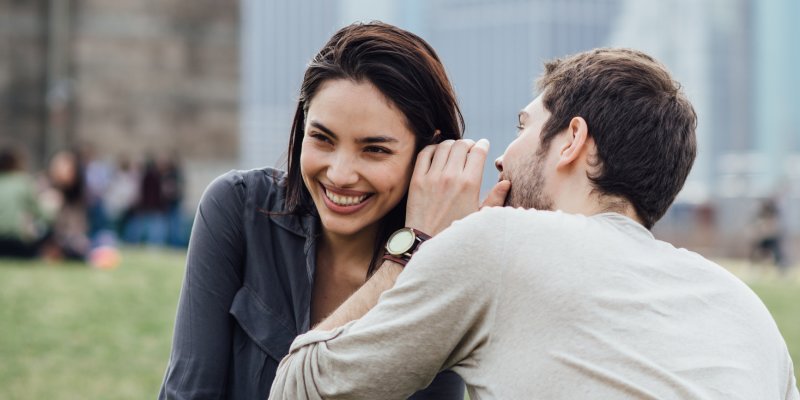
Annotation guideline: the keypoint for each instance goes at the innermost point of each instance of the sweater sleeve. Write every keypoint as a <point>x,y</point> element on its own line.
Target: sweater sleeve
<point>438,315</point>
<point>198,365</point>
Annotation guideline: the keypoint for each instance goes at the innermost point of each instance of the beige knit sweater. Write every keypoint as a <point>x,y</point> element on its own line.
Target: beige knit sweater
<point>527,304</point>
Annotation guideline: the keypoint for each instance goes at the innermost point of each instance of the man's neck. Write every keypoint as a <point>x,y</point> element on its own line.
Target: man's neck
<point>593,203</point>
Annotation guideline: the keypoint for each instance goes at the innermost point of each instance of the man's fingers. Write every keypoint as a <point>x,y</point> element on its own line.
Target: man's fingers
<point>497,197</point>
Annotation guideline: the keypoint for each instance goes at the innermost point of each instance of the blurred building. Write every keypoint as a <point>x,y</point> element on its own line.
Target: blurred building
<point>733,58</point>
<point>492,49</point>
<point>129,77</point>
<point>218,81</point>
<point>278,38</point>
<point>23,74</point>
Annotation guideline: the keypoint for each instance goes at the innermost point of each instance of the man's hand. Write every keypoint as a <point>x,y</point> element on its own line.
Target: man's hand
<point>446,184</point>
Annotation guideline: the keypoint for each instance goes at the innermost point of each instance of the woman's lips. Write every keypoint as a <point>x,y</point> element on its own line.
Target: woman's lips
<point>343,201</point>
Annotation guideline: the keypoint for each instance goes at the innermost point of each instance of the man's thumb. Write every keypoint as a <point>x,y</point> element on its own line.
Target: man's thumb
<point>497,197</point>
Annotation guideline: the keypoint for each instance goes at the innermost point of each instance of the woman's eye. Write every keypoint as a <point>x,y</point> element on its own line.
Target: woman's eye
<point>320,137</point>
<point>377,149</point>
<point>520,127</point>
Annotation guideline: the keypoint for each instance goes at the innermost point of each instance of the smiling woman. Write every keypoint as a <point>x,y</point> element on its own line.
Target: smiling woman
<point>357,176</point>
<point>272,253</point>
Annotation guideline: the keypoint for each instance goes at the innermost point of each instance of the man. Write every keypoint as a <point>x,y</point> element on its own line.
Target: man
<point>581,302</point>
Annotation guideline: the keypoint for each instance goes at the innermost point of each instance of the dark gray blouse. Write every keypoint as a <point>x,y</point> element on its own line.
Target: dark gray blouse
<point>247,293</point>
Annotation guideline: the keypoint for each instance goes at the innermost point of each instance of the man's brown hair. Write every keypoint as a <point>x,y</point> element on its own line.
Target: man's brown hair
<point>641,122</point>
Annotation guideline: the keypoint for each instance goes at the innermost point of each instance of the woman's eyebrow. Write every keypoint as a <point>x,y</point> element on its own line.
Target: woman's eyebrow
<point>362,140</point>
<point>323,128</point>
<point>377,139</point>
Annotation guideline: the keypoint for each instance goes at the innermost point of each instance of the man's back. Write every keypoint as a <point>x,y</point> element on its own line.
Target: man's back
<point>527,304</point>
<point>595,306</point>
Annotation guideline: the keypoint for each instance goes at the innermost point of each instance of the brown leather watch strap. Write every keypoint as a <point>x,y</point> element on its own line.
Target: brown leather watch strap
<point>398,260</point>
<point>422,235</point>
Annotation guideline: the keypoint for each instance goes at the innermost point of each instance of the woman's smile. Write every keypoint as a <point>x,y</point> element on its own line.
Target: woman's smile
<point>343,201</point>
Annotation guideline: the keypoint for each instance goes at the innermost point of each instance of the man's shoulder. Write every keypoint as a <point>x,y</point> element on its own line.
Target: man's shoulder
<point>492,230</point>
<point>511,217</point>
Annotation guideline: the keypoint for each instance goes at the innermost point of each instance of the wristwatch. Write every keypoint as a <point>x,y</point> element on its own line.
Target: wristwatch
<point>402,244</point>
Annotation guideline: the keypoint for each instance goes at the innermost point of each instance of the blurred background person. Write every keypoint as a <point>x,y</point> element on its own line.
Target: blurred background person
<point>70,229</point>
<point>97,175</point>
<point>148,223</point>
<point>23,222</point>
<point>122,194</point>
<point>768,235</point>
<point>172,191</point>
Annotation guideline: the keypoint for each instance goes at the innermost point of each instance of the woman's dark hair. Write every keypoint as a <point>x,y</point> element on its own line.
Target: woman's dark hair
<point>407,71</point>
<point>73,190</point>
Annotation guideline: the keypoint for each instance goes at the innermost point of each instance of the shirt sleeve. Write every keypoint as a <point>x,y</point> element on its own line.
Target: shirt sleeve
<point>201,345</point>
<point>792,393</point>
<point>438,315</point>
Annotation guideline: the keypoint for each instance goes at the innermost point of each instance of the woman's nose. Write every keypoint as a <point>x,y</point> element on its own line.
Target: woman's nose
<point>342,172</point>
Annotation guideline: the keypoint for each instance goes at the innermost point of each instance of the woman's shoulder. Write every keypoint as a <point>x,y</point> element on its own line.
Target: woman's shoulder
<point>252,183</point>
<point>255,193</point>
<point>266,176</point>
<point>264,188</point>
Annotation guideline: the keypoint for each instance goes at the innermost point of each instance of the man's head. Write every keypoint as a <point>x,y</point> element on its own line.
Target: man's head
<point>611,126</point>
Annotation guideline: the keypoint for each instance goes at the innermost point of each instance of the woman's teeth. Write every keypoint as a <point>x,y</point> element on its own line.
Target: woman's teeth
<point>344,200</point>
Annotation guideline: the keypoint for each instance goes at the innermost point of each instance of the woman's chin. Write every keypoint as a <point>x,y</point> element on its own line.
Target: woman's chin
<point>341,229</point>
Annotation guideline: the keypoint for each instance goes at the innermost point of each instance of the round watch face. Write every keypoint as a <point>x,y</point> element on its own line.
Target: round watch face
<point>400,242</point>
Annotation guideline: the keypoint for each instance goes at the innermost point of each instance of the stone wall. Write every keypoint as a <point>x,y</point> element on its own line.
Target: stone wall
<point>22,75</point>
<point>139,77</point>
<point>155,76</point>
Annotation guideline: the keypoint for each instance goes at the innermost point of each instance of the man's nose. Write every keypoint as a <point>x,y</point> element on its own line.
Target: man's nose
<point>498,163</point>
<point>342,172</point>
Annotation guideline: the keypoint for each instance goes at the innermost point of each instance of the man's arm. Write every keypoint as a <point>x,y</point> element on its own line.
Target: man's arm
<point>364,299</point>
<point>438,315</point>
<point>444,188</point>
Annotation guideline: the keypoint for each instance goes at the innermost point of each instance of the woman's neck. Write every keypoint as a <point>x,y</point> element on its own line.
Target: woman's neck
<point>350,254</point>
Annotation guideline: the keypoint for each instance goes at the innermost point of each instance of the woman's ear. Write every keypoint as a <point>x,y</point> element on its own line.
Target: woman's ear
<point>575,144</point>
<point>437,136</point>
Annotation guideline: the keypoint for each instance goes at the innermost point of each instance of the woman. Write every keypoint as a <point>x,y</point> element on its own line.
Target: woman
<point>273,253</point>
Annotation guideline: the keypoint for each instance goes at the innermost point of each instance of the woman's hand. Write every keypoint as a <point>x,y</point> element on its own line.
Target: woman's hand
<point>446,184</point>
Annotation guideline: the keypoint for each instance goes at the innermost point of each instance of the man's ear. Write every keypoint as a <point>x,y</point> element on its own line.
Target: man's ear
<point>575,143</point>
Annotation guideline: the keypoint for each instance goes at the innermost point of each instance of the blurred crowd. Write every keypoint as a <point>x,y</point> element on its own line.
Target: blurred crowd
<point>81,202</point>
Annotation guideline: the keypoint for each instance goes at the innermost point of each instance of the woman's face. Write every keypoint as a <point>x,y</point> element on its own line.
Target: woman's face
<point>356,157</point>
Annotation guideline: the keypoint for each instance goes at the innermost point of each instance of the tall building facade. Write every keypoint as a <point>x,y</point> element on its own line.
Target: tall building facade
<point>278,38</point>
<point>776,103</point>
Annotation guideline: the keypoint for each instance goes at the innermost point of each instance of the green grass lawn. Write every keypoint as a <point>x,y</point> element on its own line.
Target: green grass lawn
<point>72,332</point>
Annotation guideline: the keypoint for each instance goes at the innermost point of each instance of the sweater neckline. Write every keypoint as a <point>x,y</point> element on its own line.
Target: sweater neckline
<point>625,224</point>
